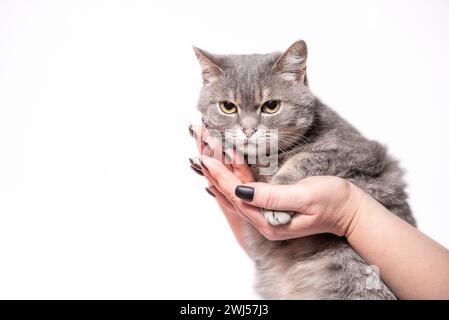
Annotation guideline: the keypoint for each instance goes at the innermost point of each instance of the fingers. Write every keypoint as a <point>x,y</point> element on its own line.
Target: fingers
<point>237,207</point>
<point>239,167</point>
<point>225,180</point>
<point>274,197</point>
<point>236,210</point>
<point>300,226</point>
<point>243,172</point>
<point>206,142</point>
<point>197,132</point>
<point>209,143</point>
<point>211,181</point>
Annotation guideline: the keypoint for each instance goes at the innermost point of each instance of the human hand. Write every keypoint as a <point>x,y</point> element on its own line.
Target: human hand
<point>209,145</point>
<point>334,205</point>
<point>324,204</point>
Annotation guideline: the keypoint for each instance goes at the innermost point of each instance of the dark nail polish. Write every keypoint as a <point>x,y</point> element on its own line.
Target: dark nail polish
<point>197,167</point>
<point>227,158</point>
<point>244,192</point>
<point>197,170</point>
<point>210,192</point>
<point>202,163</point>
<point>192,133</point>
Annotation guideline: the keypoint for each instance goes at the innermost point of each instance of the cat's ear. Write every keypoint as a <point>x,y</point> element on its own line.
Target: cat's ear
<point>292,63</point>
<point>209,65</point>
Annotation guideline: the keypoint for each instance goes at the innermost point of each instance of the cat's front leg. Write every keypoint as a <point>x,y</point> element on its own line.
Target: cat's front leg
<point>275,217</point>
<point>289,173</point>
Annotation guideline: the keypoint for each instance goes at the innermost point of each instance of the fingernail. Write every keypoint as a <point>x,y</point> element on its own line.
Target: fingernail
<point>202,163</point>
<point>227,157</point>
<point>244,192</point>
<point>197,167</point>
<point>197,170</point>
<point>210,192</point>
<point>192,133</point>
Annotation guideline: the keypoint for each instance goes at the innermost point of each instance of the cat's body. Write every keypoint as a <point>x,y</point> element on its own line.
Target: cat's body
<point>313,140</point>
<point>325,266</point>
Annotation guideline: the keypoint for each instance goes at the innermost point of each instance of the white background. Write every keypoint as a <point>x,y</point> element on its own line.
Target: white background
<point>96,196</point>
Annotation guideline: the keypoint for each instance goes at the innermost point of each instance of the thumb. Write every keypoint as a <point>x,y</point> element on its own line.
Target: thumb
<point>273,197</point>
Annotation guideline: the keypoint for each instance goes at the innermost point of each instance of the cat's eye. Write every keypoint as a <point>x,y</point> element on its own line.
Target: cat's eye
<point>271,106</point>
<point>228,107</point>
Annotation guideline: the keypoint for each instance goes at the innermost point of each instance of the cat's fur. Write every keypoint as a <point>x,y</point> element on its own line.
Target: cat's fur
<point>313,140</point>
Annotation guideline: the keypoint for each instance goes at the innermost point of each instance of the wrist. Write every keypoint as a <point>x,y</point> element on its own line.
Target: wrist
<point>353,209</point>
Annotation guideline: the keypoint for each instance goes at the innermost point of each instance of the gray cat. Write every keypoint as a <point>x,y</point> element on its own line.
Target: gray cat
<point>244,94</point>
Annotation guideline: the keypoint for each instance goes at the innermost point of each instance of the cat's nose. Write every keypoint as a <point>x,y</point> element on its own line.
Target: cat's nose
<point>249,131</point>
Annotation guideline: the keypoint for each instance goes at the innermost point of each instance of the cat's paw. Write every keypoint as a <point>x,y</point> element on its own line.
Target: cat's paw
<point>277,217</point>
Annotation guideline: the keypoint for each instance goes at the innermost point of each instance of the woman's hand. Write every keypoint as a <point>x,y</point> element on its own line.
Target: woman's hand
<point>413,265</point>
<point>323,204</point>
<point>209,145</point>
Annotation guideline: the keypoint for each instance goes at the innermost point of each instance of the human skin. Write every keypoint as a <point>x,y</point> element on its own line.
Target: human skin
<point>416,267</point>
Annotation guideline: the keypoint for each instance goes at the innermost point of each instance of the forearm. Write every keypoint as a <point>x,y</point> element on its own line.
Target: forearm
<point>411,264</point>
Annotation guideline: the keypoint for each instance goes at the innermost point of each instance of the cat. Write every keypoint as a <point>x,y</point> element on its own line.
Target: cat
<point>244,94</point>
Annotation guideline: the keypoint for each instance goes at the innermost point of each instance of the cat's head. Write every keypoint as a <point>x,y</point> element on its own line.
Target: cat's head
<point>244,96</point>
